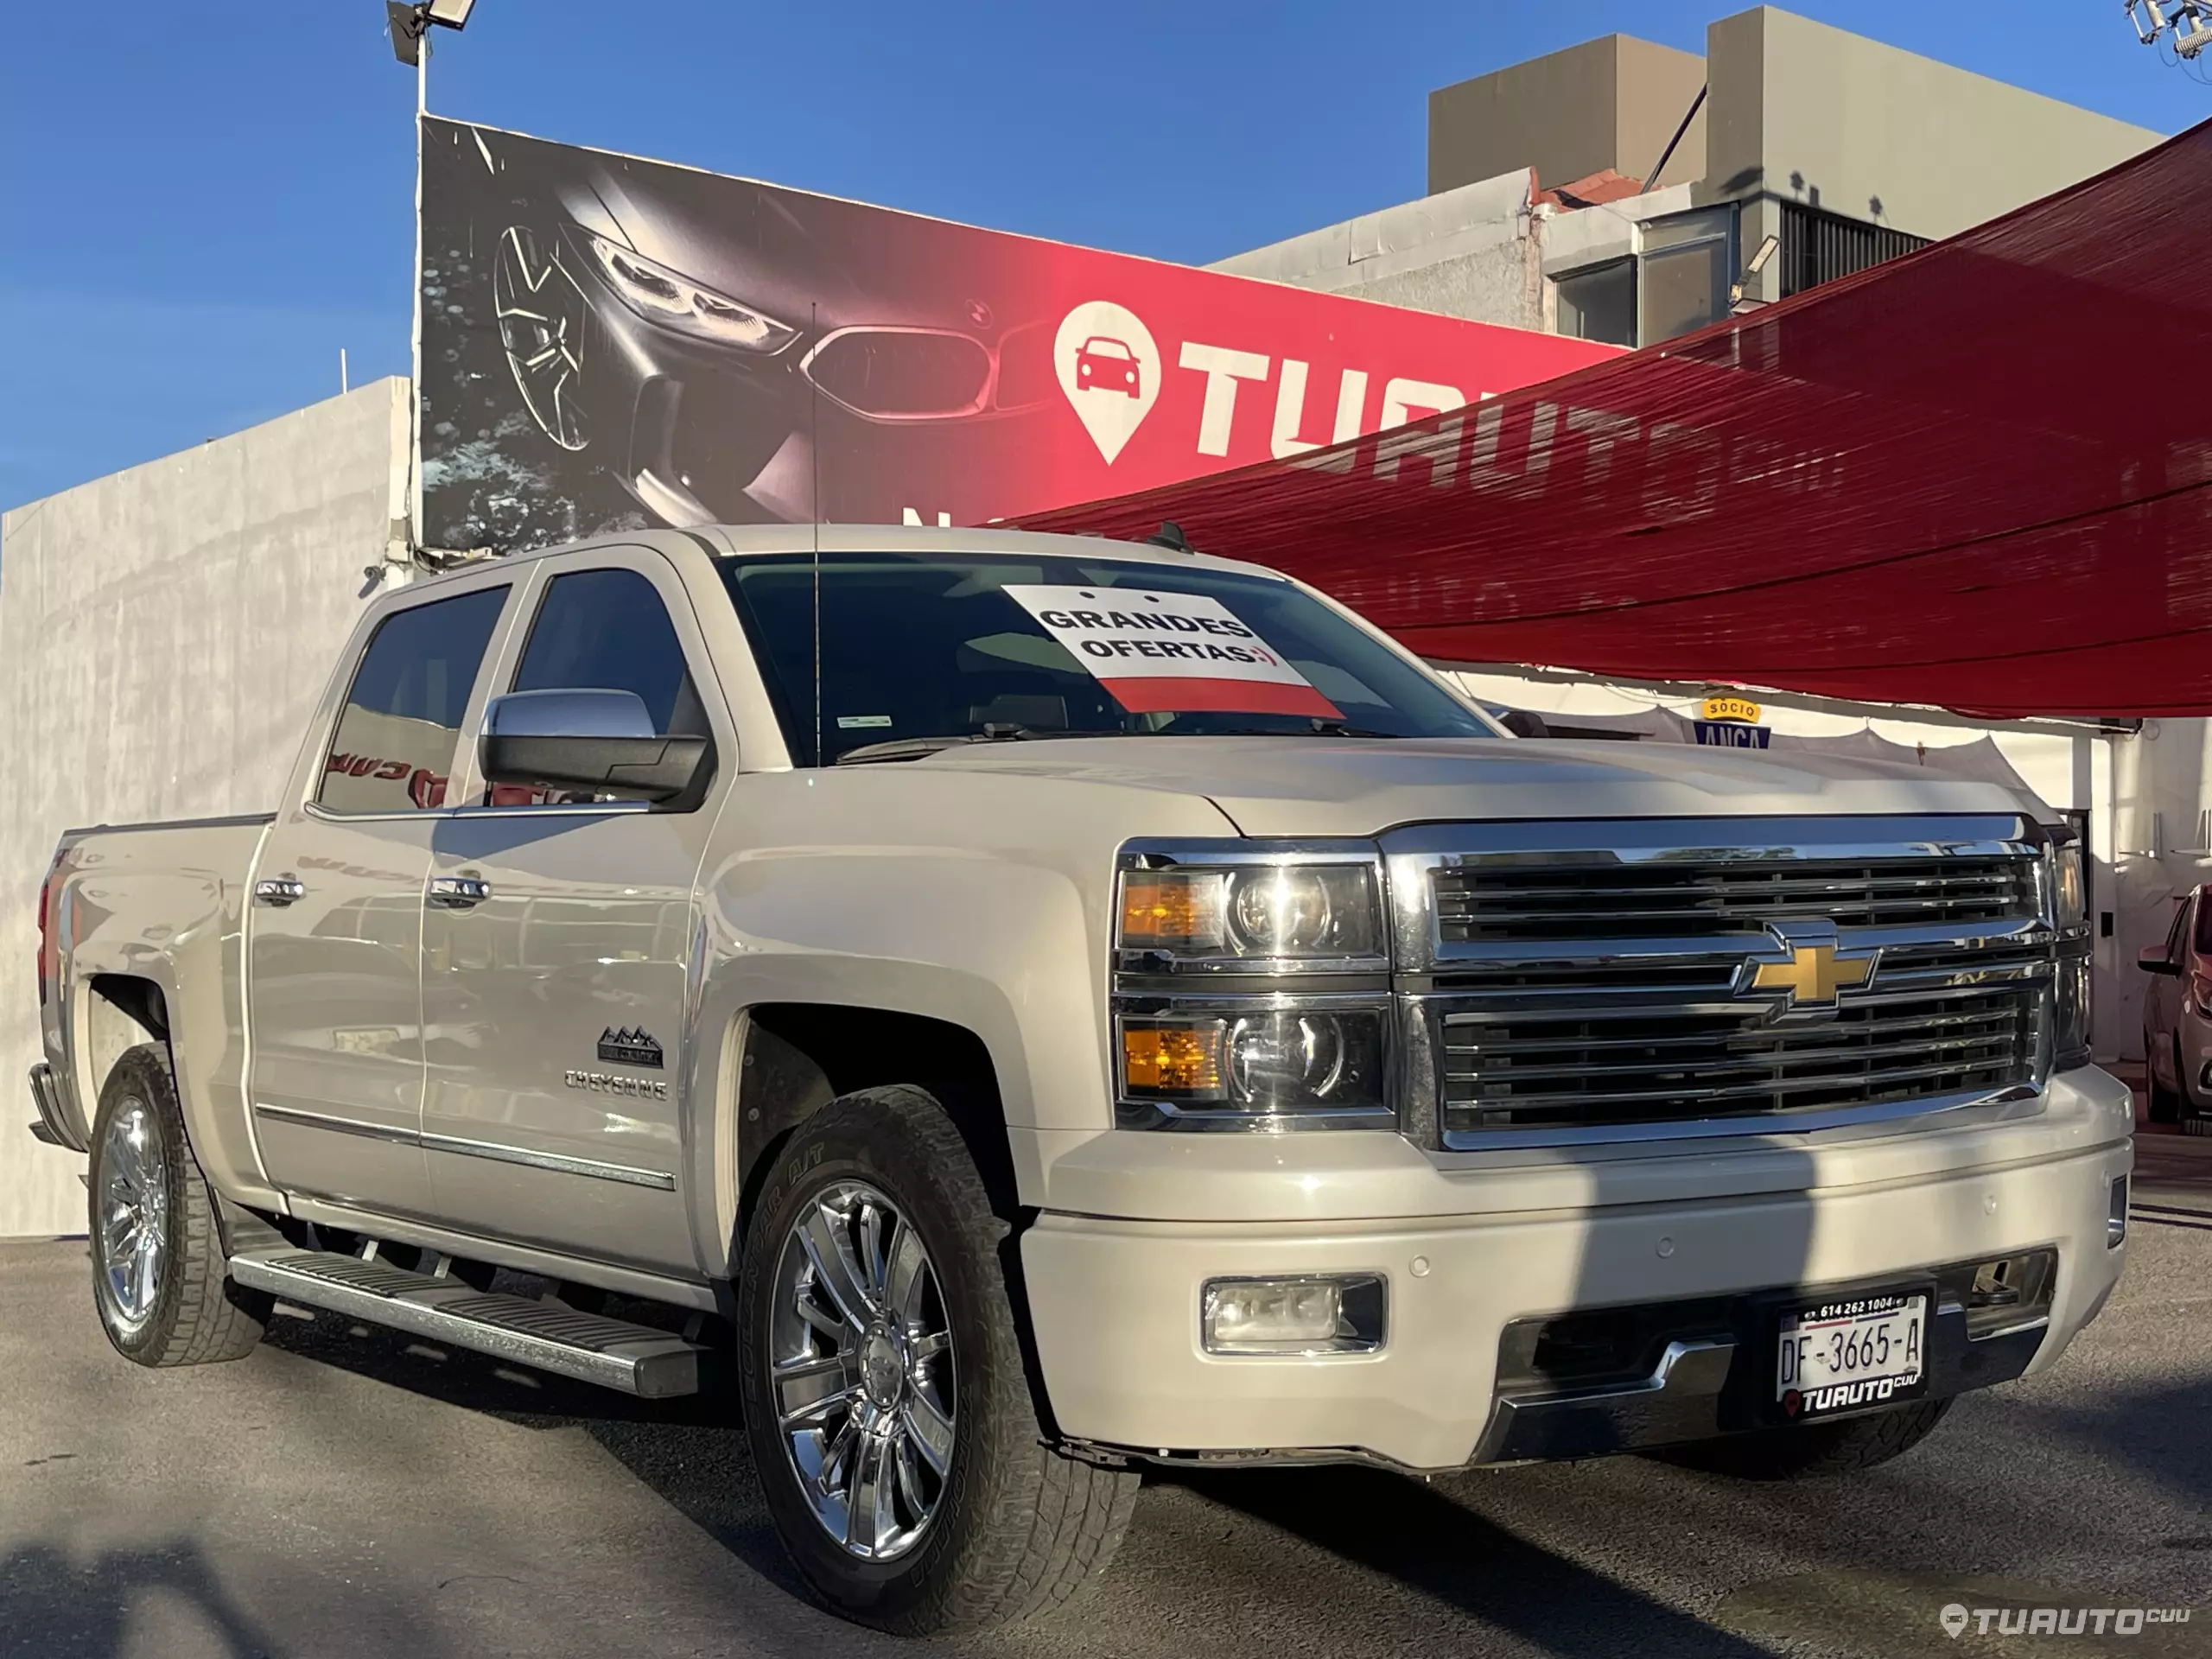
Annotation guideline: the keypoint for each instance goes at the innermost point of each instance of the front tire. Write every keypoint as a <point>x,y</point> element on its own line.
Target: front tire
<point>886,1398</point>
<point>1802,1450</point>
<point>160,1276</point>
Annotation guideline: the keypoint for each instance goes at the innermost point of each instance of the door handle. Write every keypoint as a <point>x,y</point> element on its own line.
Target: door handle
<point>280,891</point>
<point>459,892</point>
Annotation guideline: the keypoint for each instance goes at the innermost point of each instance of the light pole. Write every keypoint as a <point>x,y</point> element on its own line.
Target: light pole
<point>411,21</point>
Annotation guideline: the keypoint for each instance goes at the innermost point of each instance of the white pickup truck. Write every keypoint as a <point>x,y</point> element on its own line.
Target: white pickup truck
<point>1036,1008</point>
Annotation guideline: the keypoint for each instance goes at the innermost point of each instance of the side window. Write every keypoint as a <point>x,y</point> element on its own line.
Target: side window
<point>393,747</point>
<point>606,631</point>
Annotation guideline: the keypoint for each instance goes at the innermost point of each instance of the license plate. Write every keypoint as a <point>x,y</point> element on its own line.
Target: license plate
<point>1850,1354</point>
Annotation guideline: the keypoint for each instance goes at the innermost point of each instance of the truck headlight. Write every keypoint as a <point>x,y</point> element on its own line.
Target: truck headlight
<point>1280,1066</point>
<point>2066,890</point>
<point>1250,918</point>
<point>2069,891</point>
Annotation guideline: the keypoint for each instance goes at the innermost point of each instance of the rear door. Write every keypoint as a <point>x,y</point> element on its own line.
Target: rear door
<point>555,1005</point>
<point>334,953</point>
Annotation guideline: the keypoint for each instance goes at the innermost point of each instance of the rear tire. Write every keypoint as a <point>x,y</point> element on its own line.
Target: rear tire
<point>1007,1527</point>
<point>2165,1104</point>
<point>160,1276</point>
<point>1802,1450</point>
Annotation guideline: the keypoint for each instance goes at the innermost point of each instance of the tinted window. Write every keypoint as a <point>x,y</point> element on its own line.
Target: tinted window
<point>606,631</point>
<point>393,747</point>
<point>936,647</point>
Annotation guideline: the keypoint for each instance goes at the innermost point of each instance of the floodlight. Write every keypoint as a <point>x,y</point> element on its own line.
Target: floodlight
<point>1767,251</point>
<point>411,19</point>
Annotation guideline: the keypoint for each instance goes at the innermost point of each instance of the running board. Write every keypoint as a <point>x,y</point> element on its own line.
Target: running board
<point>633,1358</point>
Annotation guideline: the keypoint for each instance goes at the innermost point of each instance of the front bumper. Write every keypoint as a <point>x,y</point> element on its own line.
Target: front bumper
<point>1115,1301</point>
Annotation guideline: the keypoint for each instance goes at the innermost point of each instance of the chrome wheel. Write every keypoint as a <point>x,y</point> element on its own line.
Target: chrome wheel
<point>860,1369</point>
<point>134,1212</point>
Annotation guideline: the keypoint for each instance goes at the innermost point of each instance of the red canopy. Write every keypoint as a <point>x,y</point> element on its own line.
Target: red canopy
<point>1975,477</point>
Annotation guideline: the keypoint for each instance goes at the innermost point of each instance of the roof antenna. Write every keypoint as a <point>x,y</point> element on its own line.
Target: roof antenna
<point>814,448</point>
<point>1170,537</point>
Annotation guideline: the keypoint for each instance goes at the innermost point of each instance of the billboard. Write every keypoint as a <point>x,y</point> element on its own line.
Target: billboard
<point>609,343</point>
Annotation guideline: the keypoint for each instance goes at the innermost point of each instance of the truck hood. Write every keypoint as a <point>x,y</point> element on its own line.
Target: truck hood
<point>1362,786</point>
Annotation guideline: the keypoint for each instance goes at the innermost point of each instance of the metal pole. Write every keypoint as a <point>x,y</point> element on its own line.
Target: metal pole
<point>414,387</point>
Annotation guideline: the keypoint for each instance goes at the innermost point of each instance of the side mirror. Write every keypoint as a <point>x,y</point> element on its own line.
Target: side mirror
<point>2153,959</point>
<point>1524,722</point>
<point>602,742</point>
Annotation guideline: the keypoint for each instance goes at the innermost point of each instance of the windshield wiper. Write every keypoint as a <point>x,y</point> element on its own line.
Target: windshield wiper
<point>913,748</point>
<point>1315,727</point>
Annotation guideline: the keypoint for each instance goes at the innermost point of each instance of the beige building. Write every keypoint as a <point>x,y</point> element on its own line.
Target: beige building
<point>1619,190</point>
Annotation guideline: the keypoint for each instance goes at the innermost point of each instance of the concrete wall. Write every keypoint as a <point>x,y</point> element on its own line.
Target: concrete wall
<point>163,634</point>
<point>1467,253</point>
<point>1613,103</point>
<point>1800,111</point>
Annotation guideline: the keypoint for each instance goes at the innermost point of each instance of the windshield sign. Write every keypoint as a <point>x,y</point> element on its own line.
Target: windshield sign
<point>1165,650</point>
<point>952,648</point>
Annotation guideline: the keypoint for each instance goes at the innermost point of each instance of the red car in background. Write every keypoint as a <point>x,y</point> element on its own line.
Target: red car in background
<point>1108,364</point>
<point>2178,1018</point>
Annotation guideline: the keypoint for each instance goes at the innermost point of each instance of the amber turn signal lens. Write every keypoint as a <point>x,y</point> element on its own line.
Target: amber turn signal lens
<point>1171,1060</point>
<point>1162,908</point>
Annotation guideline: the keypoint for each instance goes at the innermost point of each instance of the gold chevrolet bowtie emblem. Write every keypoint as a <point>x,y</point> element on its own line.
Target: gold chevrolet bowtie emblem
<point>1812,974</point>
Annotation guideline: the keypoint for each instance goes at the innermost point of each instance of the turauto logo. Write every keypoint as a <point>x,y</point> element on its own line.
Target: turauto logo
<point>631,1045</point>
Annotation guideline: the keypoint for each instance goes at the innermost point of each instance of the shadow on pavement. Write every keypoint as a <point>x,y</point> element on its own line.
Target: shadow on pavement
<point>1401,1529</point>
<point>690,1452</point>
<point>52,1606</point>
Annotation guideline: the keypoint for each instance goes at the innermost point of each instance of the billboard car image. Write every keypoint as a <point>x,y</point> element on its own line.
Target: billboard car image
<point>609,343</point>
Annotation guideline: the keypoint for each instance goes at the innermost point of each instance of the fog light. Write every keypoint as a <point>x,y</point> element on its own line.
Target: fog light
<point>1342,1314</point>
<point>2116,1220</point>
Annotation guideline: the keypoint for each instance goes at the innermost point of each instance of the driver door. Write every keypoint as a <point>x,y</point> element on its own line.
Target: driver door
<point>559,941</point>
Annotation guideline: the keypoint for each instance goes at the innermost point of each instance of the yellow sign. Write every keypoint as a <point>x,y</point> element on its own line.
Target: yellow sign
<point>1720,708</point>
<point>1812,974</point>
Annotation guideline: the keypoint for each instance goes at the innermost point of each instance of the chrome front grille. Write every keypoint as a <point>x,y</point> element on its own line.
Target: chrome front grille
<point>1584,1068</point>
<point>1705,892</point>
<point>1582,982</point>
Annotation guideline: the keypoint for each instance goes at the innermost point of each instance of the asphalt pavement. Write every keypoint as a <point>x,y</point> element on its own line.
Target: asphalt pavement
<point>349,1494</point>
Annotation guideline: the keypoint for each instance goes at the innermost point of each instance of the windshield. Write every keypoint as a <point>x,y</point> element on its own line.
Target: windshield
<point>949,647</point>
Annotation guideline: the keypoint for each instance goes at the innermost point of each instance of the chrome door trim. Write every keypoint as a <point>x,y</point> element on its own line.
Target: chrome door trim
<point>498,1153</point>
<point>335,1124</point>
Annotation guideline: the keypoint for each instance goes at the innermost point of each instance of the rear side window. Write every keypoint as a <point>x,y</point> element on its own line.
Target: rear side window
<point>606,631</point>
<point>393,747</point>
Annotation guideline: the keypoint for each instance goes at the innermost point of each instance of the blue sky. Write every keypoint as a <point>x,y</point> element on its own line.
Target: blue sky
<point>203,216</point>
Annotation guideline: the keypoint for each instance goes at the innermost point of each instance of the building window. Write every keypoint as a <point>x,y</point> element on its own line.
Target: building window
<point>1600,303</point>
<point>1687,262</point>
<point>1675,282</point>
<point>1818,247</point>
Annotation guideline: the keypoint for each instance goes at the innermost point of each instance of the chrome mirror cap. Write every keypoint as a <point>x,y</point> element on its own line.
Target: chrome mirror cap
<point>567,713</point>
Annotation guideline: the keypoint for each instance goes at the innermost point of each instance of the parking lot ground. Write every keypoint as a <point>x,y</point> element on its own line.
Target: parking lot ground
<point>349,1494</point>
